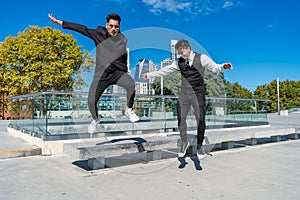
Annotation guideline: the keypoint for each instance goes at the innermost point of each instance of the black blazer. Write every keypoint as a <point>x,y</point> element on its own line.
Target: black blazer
<point>111,52</point>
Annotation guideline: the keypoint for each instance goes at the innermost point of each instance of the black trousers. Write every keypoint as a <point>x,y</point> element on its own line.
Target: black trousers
<point>197,101</point>
<point>99,84</point>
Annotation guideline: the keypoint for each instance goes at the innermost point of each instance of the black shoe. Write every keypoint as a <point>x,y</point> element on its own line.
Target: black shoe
<point>200,153</point>
<point>183,148</point>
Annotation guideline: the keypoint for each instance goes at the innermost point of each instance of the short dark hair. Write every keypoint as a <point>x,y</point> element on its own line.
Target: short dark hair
<point>113,16</point>
<point>182,44</point>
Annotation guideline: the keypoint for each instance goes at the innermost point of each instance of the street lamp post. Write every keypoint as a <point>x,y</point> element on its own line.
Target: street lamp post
<point>278,98</point>
<point>162,86</point>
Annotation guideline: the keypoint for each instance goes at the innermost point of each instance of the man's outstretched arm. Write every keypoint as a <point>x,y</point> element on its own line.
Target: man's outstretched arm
<point>208,63</point>
<point>73,26</point>
<point>162,72</point>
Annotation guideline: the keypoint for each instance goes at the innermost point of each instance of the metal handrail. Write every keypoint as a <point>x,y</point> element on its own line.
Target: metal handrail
<point>50,92</point>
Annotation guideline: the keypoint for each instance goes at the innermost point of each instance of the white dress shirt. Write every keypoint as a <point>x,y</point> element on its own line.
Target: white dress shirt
<point>206,62</point>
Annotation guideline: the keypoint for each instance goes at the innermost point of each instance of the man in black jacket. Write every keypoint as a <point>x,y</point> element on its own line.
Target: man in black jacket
<point>111,63</point>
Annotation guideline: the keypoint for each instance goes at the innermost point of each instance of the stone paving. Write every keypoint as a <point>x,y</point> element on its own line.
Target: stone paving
<point>265,171</point>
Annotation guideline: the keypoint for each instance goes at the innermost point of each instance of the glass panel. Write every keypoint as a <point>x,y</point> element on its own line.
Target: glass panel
<point>65,115</point>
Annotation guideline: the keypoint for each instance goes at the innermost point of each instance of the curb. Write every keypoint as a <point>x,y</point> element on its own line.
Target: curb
<point>13,153</point>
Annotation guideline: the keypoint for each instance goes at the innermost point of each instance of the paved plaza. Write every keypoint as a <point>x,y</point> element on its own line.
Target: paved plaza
<point>264,171</point>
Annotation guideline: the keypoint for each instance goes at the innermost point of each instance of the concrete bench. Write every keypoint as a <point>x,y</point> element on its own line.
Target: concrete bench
<point>251,136</point>
<point>151,148</point>
<point>97,152</point>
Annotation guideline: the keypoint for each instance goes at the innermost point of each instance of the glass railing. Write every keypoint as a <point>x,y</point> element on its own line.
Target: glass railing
<point>56,115</point>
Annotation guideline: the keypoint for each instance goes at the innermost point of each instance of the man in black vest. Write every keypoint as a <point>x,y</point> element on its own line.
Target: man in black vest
<point>192,66</point>
<point>111,63</point>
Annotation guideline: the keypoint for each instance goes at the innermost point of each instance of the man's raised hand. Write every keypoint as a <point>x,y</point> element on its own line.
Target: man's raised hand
<point>54,20</point>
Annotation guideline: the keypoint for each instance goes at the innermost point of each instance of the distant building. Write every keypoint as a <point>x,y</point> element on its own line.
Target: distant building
<point>4,113</point>
<point>174,54</point>
<point>166,62</point>
<point>143,86</point>
<point>144,65</point>
<point>141,67</point>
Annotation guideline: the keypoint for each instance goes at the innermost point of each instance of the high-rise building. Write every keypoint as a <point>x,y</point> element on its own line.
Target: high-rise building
<point>174,54</point>
<point>166,62</point>
<point>143,66</point>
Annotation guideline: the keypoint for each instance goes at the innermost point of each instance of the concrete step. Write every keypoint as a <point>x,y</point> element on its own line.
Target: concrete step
<point>13,153</point>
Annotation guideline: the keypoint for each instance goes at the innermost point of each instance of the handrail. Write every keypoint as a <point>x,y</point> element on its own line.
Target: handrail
<point>50,92</point>
<point>44,115</point>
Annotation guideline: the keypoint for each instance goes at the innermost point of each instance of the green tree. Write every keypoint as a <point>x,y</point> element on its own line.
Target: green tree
<point>272,96</point>
<point>237,91</point>
<point>40,59</point>
<point>289,92</point>
<point>214,84</point>
<point>171,84</point>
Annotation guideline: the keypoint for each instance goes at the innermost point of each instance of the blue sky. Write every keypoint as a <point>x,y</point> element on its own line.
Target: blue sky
<point>259,37</point>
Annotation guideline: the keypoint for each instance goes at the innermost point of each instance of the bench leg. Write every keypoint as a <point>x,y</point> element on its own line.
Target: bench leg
<point>153,155</point>
<point>96,163</point>
<point>293,136</point>
<point>276,138</point>
<point>227,145</point>
<point>251,141</point>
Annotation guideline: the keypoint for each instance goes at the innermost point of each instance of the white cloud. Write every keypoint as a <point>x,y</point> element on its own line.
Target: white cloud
<point>271,25</point>
<point>196,7</point>
<point>228,4</point>
<point>174,6</point>
<point>155,11</point>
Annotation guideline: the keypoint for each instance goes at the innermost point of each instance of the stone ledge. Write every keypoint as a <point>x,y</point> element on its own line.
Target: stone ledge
<point>12,153</point>
<point>120,146</point>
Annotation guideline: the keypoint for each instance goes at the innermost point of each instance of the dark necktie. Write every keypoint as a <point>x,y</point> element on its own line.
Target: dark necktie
<point>187,64</point>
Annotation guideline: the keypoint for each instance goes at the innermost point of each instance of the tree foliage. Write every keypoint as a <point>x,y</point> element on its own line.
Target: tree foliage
<point>214,84</point>
<point>235,90</point>
<point>289,94</point>
<point>40,59</point>
<point>171,84</point>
